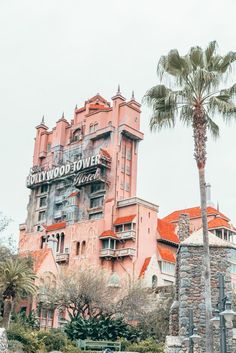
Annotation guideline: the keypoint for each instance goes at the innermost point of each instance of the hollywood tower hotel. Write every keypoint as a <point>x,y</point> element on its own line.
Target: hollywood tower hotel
<point>83,206</point>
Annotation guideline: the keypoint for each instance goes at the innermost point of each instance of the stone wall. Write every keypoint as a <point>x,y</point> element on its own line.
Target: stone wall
<point>3,341</point>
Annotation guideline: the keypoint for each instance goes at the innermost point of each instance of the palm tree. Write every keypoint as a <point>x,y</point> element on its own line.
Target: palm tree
<point>196,98</point>
<point>16,280</point>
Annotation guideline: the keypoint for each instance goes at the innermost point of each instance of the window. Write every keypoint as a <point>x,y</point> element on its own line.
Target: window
<point>154,281</point>
<point>233,254</point>
<point>168,268</point>
<point>96,202</point>
<point>105,244</point>
<point>233,268</point>
<point>83,247</point>
<point>127,226</point>
<point>127,170</point>
<point>119,228</point>
<point>91,128</point>
<point>97,187</point>
<point>108,244</point>
<point>95,126</point>
<point>77,248</point>
<point>97,215</point>
<point>49,147</point>
<point>38,228</point>
<point>126,186</point>
<point>42,201</point>
<point>41,215</point>
<point>44,188</point>
<point>128,154</point>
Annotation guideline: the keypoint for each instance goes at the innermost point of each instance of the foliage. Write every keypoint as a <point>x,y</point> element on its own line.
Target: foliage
<point>15,346</point>
<point>28,321</point>
<point>146,346</point>
<point>155,323</point>
<point>16,278</point>
<point>70,348</point>
<point>27,338</point>
<point>102,328</point>
<point>53,340</point>
<point>197,80</point>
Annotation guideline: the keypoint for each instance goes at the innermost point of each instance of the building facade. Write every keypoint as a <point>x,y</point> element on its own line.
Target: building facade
<point>83,202</point>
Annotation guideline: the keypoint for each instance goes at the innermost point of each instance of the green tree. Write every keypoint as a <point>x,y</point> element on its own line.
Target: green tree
<point>196,98</point>
<point>16,281</point>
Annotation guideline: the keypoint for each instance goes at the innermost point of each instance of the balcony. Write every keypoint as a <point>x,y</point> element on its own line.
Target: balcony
<point>128,234</point>
<point>59,199</point>
<point>63,257</point>
<point>125,252</point>
<point>58,214</point>
<point>107,253</point>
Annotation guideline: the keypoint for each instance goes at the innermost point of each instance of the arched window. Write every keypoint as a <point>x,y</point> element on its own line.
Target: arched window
<point>91,128</point>
<point>95,126</point>
<point>77,135</point>
<point>83,247</point>
<point>77,252</point>
<point>62,242</point>
<point>154,281</point>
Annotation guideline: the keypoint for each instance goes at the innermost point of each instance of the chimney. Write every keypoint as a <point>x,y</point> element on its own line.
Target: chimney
<point>183,227</point>
<point>208,195</point>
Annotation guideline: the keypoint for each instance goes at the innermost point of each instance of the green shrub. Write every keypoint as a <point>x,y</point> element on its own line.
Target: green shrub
<point>28,339</point>
<point>54,340</point>
<point>15,346</point>
<point>146,346</point>
<point>70,348</point>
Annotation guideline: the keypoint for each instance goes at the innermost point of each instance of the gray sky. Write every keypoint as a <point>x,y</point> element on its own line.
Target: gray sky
<point>57,53</point>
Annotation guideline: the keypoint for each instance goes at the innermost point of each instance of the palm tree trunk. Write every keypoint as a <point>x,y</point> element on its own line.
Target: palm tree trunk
<point>200,138</point>
<point>206,262</point>
<point>7,312</point>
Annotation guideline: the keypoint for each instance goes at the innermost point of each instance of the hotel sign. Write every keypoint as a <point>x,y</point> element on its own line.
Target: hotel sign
<point>64,170</point>
<point>87,178</point>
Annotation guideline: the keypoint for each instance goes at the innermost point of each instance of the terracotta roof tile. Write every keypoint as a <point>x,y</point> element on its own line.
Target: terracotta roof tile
<point>105,153</point>
<point>194,212</point>
<point>108,234</point>
<point>126,219</point>
<point>55,226</point>
<point>145,266</point>
<point>75,193</point>
<point>167,231</point>
<point>166,254</point>
<point>218,223</point>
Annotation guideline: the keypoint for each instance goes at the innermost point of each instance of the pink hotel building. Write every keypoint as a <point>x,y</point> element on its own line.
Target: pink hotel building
<point>83,208</point>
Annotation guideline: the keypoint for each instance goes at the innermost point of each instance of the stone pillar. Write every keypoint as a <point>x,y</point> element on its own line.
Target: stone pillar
<point>3,341</point>
<point>183,227</point>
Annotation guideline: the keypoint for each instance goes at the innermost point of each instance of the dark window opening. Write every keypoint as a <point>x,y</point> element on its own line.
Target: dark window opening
<point>42,201</point>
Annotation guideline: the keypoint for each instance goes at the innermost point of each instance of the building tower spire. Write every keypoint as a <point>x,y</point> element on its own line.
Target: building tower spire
<point>43,121</point>
<point>133,98</point>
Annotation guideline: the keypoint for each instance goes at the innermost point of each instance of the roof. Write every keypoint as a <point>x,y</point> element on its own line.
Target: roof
<point>167,231</point>
<point>193,212</point>
<point>218,223</point>
<point>108,234</point>
<point>145,266</point>
<point>55,226</point>
<point>105,153</point>
<point>166,254</point>
<point>97,107</point>
<point>38,256</point>
<point>126,219</point>
<point>75,193</point>
<point>196,239</point>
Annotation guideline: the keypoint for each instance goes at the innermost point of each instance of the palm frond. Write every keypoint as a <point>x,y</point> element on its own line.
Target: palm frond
<point>212,127</point>
<point>196,56</point>
<point>186,115</point>
<point>209,52</point>
<point>226,61</point>
<point>173,64</point>
<point>221,104</point>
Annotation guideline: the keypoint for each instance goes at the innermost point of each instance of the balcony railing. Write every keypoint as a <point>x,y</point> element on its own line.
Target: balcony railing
<point>64,257</point>
<point>59,199</point>
<point>128,234</point>
<point>58,214</point>
<point>117,253</point>
<point>107,253</point>
<point>125,252</point>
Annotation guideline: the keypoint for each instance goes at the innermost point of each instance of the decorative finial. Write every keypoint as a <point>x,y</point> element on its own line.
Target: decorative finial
<point>118,90</point>
<point>63,116</point>
<point>218,206</point>
<point>43,122</point>
<point>132,98</point>
<point>76,107</point>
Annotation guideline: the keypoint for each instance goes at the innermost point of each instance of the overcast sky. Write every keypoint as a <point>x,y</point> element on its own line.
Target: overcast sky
<point>57,53</point>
